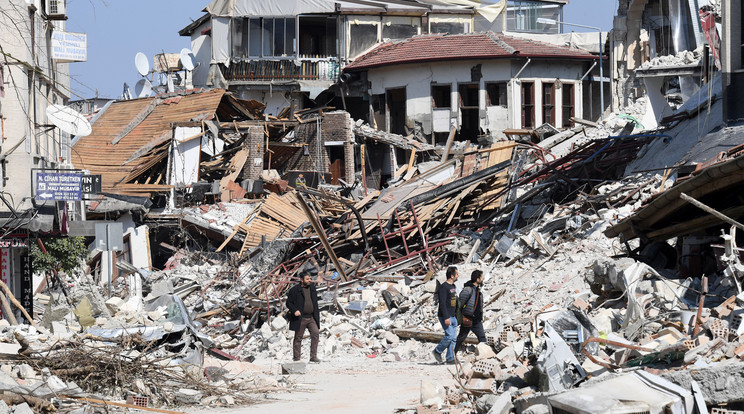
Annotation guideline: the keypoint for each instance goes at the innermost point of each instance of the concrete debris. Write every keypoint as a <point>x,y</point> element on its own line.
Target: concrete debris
<point>603,289</point>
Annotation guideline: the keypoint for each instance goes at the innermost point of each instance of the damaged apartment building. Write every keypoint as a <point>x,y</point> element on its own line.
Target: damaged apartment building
<point>327,93</point>
<point>661,52</point>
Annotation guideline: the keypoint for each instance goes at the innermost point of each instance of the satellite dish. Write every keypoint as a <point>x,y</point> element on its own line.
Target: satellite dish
<point>142,64</point>
<point>68,120</point>
<point>143,88</point>
<point>188,60</point>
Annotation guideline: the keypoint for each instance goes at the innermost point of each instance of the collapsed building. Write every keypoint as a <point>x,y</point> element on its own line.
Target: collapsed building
<point>613,278</point>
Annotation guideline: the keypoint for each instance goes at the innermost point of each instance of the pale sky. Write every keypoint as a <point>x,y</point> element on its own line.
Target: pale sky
<point>118,29</point>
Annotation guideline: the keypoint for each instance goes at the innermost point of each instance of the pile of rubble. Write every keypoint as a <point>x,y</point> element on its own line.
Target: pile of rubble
<point>571,312</point>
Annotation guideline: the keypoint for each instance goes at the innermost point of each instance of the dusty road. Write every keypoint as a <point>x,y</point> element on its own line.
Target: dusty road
<point>350,384</point>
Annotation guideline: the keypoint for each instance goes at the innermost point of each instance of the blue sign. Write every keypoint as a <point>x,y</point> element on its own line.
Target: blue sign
<point>59,186</point>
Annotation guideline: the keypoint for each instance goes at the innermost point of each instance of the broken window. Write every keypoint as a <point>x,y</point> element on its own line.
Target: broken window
<point>451,28</point>
<point>521,16</point>
<point>400,27</point>
<point>496,94</point>
<point>469,122</point>
<point>266,33</point>
<point>449,24</point>
<point>240,32</point>
<point>318,36</point>
<point>567,105</point>
<point>263,37</point>
<point>528,105</point>
<point>441,96</point>
<point>362,36</point>
<point>548,103</point>
<point>255,37</point>
<point>468,95</point>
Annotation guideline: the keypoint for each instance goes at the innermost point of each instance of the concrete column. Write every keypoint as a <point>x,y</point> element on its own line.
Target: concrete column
<point>349,161</point>
<point>731,61</point>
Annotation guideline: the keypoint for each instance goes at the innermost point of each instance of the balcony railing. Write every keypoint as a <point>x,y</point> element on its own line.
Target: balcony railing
<point>282,69</point>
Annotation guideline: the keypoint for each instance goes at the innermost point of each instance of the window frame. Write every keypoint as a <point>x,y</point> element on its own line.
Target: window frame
<point>548,105</point>
<point>502,92</point>
<point>447,96</point>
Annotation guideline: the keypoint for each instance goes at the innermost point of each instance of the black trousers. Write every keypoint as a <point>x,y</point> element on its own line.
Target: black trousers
<point>477,329</point>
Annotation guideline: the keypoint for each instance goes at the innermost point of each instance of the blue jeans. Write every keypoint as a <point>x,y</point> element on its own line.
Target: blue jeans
<point>450,338</point>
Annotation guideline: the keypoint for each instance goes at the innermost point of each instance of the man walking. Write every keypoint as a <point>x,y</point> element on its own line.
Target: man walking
<point>472,309</point>
<point>302,304</point>
<point>447,303</point>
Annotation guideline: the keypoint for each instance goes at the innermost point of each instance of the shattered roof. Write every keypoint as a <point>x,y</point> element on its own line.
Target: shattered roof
<point>108,148</point>
<point>486,45</point>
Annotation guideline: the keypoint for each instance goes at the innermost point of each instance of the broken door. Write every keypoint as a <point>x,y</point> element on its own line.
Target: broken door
<point>396,108</point>
<point>469,123</point>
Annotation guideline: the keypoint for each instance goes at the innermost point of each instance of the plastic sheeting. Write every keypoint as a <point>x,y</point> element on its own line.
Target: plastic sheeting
<point>221,40</point>
<point>270,8</point>
<point>226,8</point>
<point>588,41</point>
<point>490,11</point>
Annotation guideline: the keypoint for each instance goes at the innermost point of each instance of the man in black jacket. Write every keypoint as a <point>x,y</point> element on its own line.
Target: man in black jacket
<point>302,306</point>
<point>472,308</point>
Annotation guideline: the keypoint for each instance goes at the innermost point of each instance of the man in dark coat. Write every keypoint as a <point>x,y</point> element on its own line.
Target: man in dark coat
<point>472,307</point>
<point>302,306</point>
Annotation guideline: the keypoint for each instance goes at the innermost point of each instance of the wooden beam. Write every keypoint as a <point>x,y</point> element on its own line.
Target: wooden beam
<point>710,210</point>
<point>321,234</point>
<point>448,146</point>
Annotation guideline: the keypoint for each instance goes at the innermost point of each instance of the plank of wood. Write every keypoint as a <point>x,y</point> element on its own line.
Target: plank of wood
<point>236,165</point>
<point>400,171</point>
<point>448,146</point>
<point>361,203</point>
<point>235,231</point>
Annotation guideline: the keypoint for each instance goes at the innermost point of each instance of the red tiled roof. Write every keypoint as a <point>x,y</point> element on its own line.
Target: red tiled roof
<point>437,47</point>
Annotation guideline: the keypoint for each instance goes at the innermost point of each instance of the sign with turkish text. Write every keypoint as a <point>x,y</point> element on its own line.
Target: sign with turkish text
<point>4,269</point>
<point>69,47</point>
<point>14,242</point>
<point>92,184</point>
<point>59,186</point>
<point>27,284</point>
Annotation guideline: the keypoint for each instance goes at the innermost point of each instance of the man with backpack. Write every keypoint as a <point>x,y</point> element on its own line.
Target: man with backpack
<point>447,295</point>
<point>471,300</point>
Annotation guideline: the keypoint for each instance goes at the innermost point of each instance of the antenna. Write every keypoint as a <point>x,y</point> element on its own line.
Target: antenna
<point>142,64</point>
<point>126,93</point>
<point>68,120</point>
<point>143,88</point>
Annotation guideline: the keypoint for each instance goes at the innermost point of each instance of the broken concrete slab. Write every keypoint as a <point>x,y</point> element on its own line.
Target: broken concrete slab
<point>294,368</point>
<point>720,383</point>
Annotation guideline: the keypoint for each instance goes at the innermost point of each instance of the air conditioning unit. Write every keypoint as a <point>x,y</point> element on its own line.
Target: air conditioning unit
<point>56,10</point>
